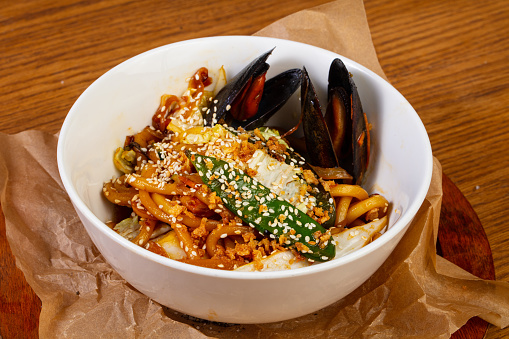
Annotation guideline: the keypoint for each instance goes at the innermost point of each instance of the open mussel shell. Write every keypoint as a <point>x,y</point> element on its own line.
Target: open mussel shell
<point>319,146</point>
<point>276,93</point>
<point>338,113</point>
<point>341,138</point>
<point>247,100</point>
<point>224,99</point>
<point>353,153</point>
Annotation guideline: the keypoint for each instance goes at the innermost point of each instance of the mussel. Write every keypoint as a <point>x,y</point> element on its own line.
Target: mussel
<point>247,100</point>
<point>337,139</point>
<point>340,138</point>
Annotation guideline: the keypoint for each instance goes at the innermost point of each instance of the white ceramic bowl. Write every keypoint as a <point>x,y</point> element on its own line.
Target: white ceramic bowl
<point>122,102</point>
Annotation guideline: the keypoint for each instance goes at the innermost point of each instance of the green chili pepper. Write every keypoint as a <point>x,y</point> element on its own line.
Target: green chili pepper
<point>262,209</point>
<point>323,197</point>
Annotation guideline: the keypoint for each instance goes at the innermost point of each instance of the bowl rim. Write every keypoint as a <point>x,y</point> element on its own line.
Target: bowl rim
<point>401,223</point>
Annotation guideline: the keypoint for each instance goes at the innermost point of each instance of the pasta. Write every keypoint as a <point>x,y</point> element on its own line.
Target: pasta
<point>177,214</point>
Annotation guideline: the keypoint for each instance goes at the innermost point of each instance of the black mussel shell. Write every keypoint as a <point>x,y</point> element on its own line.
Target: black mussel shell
<point>318,142</point>
<point>341,137</point>
<point>226,96</point>
<point>276,93</point>
<point>347,122</point>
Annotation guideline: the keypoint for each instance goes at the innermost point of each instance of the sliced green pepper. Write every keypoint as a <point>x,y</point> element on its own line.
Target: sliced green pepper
<point>323,198</point>
<point>262,209</point>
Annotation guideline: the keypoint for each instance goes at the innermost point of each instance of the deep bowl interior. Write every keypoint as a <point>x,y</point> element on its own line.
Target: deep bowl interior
<point>122,102</point>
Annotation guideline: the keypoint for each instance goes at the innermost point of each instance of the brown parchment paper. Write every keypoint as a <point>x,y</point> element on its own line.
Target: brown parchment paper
<point>414,293</point>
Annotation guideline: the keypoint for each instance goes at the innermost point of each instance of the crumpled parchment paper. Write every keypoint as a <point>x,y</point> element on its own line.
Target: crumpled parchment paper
<point>414,293</point>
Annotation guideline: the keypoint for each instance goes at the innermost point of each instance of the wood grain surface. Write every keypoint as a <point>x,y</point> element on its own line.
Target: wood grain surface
<point>462,240</point>
<point>449,58</point>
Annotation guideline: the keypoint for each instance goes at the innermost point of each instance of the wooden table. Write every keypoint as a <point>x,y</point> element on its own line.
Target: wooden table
<point>449,59</point>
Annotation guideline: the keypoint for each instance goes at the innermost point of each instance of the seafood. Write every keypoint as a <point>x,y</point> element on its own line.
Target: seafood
<point>276,93</point>
<point>316,132</point>
<point>341,137</point>
<point>247,100</point>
